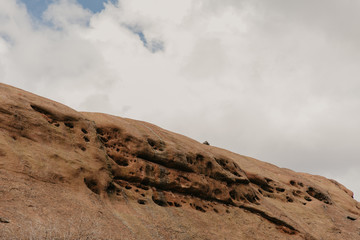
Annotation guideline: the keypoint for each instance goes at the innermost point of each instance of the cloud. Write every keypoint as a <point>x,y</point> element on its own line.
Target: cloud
<point>153,45</point>
<point>50,60</point>
<point>67,13</point>
<point>274,80</point>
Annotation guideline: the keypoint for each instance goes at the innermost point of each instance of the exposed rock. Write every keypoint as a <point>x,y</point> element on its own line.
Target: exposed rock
<point>106,177</point>
<point>3,220</point>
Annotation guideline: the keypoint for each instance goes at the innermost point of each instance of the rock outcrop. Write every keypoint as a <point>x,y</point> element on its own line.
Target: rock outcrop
<point>73,175</point>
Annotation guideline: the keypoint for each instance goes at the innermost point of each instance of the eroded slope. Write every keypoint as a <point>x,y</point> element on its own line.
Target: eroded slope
<point>142,182</point>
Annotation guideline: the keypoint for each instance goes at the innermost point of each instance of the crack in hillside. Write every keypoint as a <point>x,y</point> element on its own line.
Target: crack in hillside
<point>191,192</point>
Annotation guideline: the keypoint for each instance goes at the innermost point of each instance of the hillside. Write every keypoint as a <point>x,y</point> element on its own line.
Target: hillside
<point>75,175</point>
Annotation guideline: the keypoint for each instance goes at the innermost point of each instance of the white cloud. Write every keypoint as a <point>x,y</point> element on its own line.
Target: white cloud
<point>273,80</point>
<point>67,13</point>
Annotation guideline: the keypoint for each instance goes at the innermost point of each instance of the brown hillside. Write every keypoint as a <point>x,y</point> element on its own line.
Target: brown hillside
<point>71,175</point>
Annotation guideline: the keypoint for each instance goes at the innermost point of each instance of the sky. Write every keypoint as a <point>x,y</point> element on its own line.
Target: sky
<point>275,80</point>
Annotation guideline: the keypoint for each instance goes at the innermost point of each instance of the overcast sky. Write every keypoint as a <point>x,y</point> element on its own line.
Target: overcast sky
<point>276,80</point>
